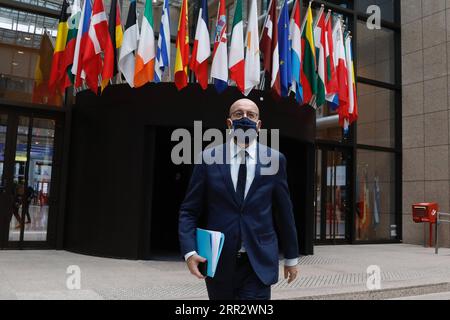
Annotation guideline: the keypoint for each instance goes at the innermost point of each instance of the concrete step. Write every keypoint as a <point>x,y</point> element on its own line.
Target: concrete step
<point>438,290</point>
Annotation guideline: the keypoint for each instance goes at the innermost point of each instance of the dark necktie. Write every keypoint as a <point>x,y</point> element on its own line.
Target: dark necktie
<point>242,177</point>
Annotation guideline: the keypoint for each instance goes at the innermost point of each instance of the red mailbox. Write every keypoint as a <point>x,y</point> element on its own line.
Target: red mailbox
<point>425,212</point>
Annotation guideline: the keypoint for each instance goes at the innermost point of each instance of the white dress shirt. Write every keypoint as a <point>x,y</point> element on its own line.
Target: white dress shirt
<point>235,161</point>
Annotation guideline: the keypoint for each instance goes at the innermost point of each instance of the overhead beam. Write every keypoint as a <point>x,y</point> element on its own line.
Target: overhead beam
<point>30,8</point>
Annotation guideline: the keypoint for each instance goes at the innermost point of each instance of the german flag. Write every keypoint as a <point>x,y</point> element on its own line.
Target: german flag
<point>116,34</point>
<point>58,74</point>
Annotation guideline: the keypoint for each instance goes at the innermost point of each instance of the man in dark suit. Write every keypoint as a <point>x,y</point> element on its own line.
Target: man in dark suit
<point>237,199</point>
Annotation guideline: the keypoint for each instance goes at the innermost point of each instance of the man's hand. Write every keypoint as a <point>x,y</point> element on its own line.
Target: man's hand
<point>290,273</point>
<point>192,264</point>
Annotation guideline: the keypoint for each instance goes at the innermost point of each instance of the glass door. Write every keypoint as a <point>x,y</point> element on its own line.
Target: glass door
<point>332,195</point>
<point>5,198</point>
<point>27,151</point>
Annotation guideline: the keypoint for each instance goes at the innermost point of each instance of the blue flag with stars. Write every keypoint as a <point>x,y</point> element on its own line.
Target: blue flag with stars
<point>284,49</point>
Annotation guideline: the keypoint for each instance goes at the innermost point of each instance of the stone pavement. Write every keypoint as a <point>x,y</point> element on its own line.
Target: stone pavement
<point>334,272</point>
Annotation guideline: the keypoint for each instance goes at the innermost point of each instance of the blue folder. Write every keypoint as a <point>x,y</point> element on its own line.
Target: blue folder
<point>209,246</point>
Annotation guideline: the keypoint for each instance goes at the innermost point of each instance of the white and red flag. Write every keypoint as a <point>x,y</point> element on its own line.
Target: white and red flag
<point>269,48</point>
<point>98,43</point>
<point>202,47</point>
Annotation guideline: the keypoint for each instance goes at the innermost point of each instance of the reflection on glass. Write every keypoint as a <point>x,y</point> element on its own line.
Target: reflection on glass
<point>336,186</point>
<point>32,177</point>
<point>331,195</point>
<point>318,190</point>
<point>375,205</point>
<point>19,188</point>
<point>3,127</point>
<point>327,124</point>
<point>376,122</point>
<point>376,54</point>
<point>26,49</point>
<point>39,178</point>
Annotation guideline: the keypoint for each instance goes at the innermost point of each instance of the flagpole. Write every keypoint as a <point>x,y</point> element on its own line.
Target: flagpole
<point>262,81</point>
<point>304,20</point>
<point>322,9</point>
<point>265,21</point>
<point>327,18</point>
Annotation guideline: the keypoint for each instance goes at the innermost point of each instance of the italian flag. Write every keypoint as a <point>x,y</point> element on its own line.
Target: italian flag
<point>145,58</point>
<point>236,60</point>
<point>309,75</point>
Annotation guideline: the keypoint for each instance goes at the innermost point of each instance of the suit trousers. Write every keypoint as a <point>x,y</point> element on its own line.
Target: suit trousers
<point>245,285</point>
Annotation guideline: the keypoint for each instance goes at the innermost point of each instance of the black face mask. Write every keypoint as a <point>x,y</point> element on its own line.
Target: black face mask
<point>245,124</point>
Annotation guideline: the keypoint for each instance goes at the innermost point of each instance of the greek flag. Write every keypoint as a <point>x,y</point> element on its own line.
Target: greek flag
<point>163,50</point>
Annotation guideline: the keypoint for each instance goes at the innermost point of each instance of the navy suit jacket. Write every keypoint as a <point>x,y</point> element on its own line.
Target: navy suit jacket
<point>211,192</point>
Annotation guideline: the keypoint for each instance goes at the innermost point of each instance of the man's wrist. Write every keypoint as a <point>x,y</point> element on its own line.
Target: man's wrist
<point>291,262</point>
<point>189,254</point>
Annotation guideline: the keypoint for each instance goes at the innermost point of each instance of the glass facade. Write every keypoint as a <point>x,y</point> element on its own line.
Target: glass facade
<point>376,122</point>
<point>358,190</point>
<point>375,196</point>
<point>376,53</point>
<point>372,148</point>
<point>26,47</point>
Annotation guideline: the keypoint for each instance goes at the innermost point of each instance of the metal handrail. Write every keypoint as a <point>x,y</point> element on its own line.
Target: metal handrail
<point>436,225</point>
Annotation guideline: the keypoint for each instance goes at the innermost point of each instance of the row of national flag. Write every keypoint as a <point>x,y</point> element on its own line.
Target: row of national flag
<point>310,59</point>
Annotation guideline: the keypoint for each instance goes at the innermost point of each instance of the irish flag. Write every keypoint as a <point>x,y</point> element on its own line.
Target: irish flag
<point>309,75</point>
<point>236,60</point>
<point>145,57</point>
